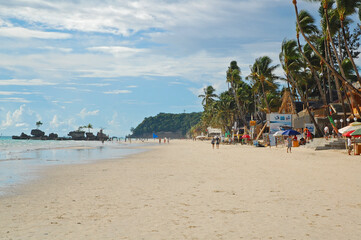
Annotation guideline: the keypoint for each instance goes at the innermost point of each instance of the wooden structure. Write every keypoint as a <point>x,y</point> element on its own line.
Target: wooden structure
<point>288,106</point>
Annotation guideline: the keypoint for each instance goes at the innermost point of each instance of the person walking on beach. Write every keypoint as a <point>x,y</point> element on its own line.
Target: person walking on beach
<point>349,145</point>
<point>213,142</point>
<point>217,142</point>
<point>289,143</point>
<point>309,136</point>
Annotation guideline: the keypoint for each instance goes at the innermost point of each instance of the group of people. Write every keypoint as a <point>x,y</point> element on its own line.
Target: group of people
<point>216,141</point>
<point>165,140</point>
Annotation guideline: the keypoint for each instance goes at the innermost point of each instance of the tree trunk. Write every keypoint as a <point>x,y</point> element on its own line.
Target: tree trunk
<point>328,73</point>
<point>265,97</point>
<point>318,130</point>
<point>242,117</point>
<point>349,53</point>
<point>338,87</point>
<point>318,81</point>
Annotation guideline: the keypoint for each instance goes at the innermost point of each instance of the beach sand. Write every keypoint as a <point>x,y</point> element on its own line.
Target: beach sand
<point>186,190</point>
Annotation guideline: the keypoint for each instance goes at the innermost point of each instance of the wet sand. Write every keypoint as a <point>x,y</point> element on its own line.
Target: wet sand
<point>186,190</point>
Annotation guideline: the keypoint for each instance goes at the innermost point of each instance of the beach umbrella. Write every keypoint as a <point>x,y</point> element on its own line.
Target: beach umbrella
<point>278,133</point>
<point>350,127</point>
<point>246,136</point>
<point>348,134</point>
<point>356,133</point>
<point>155,136</point>
<point>290,132</point>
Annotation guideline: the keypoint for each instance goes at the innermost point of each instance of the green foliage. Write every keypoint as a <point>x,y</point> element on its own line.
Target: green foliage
<point>167,122</point>
<point>38,124</point>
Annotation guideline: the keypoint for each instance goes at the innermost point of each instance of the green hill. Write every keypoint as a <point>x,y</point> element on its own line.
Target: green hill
<point>167,122</point>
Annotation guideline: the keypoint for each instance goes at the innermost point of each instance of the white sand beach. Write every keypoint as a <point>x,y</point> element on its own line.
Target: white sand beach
<point>186,190</point>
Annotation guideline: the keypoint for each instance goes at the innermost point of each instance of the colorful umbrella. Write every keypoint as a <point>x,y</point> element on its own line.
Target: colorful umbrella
<point>356,133</point>
<point>278,133</point>
<point>290,132</point>
<point>348,134</point>
<point>350,127</point>
<point>246,136</point>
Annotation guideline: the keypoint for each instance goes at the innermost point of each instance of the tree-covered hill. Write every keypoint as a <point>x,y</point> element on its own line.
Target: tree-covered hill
<point>167,122</point>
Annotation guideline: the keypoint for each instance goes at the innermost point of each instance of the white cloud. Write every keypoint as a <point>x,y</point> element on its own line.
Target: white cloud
<point>19,32</point>
<point>84,113</point>
<point>6,93</point>
<point>13,118</point>
<point>66,50</point>
<point>55,123</point>
<point>114,123</point>
<point>117,50</point>
<point>118,92</point>
<point>16,100</point>
<point>132,86</point>
<point>25,82</point>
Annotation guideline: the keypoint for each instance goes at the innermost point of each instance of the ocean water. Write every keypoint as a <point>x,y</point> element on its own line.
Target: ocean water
<point>20,160</point>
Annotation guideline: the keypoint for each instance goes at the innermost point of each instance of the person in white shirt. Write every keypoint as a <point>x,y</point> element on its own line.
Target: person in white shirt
<point>349,145</point>
<point>327,132</point>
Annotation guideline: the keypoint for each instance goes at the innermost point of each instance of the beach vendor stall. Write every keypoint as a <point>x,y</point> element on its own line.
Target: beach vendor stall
<point>246,138</point>
<point>356,134</point>
<point>279,137</point>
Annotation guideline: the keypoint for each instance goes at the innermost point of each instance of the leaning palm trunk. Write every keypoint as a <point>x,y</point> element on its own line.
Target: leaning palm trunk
<point>338,87</point>
<point>305,100</point>
<point>339,64</point>
<point>265,97</point>
<point>348,52</point>
<point>291,96</point>
<point>328,74</point>
<point>318,81</point>
<point>240,114</point>
<point>334,71</point>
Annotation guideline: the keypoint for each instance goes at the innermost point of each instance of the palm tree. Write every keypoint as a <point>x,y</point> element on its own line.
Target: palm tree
<point>38,124</point>
<point>292,64</point>
<point>234,78</point>
<point>334,71</point>
<point>308,26</point>
<point>225,111</point>
<point>208,96</point>
<point>89,126</point>
<point>347,8</point>
<point>262,74</point>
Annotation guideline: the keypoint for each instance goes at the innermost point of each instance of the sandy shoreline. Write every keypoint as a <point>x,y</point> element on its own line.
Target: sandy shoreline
<point>186,190</point>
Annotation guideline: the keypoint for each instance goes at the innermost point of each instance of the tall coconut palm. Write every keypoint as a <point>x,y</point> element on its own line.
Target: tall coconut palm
<point>262,73</point>
<point>225,110</point>
<point>347,8</point>
<point>291,63</point>
<point>208,96</point>
<point>234,78</point>
<point>38,124</point>
<point>308,26</point>
<point>334,71</point>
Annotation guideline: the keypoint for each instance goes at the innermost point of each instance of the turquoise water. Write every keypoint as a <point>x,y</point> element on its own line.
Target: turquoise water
<point>20,160</point>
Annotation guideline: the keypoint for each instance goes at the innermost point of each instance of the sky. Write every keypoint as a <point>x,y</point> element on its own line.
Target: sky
<point>112,63</point>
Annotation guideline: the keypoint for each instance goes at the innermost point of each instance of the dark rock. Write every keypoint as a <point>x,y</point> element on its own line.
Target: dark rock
<point>53,136</point>
<point>90,136</point>
<point>101,136</point>
<point>37,133</point>
<point>77,135</point>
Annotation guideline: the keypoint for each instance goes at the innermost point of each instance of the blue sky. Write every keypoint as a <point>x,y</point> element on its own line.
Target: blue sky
<point>112,63</point>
